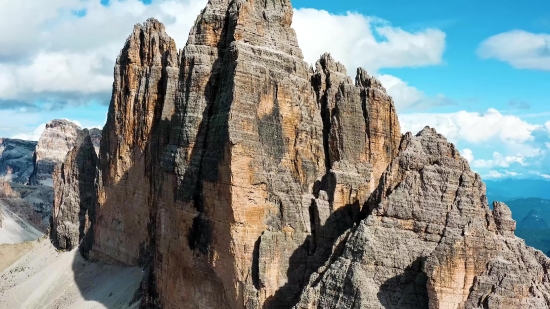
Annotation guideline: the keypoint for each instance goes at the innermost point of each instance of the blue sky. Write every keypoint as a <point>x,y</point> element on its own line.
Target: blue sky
<point>478,71</point>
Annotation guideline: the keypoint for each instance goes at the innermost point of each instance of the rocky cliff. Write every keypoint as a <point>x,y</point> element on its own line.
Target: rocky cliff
<point>232,166</point>
<point>55,142</point>
<point>240,177</point>
<point>16,159</point>
<point>431,241</point>
<point>75,198</point>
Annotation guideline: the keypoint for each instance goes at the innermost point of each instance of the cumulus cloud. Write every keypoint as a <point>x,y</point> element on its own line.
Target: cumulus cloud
<point>373,44</point>
<point>500,160</point>
<point>521,49</point>
<point>468,154</point>
<point>33,136</point>
<point>365,41</point>
<point>64,50</point>
<point>498,175</point>
<point>473,127</point>
<point>408,97</point>
<point>501,142</point>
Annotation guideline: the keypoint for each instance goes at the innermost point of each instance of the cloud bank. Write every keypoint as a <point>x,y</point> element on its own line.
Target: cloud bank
<point>522,146</point>
<point>64,50</point>
<point>521,49</point>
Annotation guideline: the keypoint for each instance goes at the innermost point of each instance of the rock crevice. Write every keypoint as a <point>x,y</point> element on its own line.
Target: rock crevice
<point>239,177</point>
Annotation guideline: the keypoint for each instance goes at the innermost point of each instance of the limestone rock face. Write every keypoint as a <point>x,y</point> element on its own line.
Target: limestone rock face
<point>74,197</point>
<point>146,75</point>
<point>58,138</point>
<point>95,136</point>
<point>231,167</point>
<point>238,177</point>
<point>16,159</point>
<point>431,241</point>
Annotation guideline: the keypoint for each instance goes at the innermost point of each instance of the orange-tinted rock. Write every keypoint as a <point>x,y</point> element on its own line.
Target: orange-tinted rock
<point>221,169</point>
<point>431,241</point>
<point>144,81</point>
<point>239,177</point>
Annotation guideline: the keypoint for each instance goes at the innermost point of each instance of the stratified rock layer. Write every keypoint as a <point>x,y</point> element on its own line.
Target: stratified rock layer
<point>238,176</point>
<point>58,138</point>
<point>75,198</point>
<point>232,167</point>
<point>431,241</point>
<point>16,163</point>
<point>145,77</point>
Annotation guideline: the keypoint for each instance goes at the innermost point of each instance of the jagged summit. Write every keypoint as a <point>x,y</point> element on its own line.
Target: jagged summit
<point>55,141</point>
<point>215,160</point>
<point>237,177</point>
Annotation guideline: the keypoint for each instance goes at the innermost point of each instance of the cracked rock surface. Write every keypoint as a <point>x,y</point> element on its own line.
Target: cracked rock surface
<point>238,176</point>
<point>431,241</point>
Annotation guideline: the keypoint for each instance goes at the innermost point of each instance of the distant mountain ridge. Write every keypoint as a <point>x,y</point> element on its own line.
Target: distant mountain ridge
<point>512,189</point>
<point>16,159</point>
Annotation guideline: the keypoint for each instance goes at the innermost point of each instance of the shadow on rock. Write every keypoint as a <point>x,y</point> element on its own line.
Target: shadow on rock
<point>407,290</point>
<point>313,253</point>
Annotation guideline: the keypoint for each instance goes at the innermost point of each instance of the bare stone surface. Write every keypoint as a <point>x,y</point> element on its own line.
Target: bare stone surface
<point>95,135</point>
<point>431,241</point>
<point>145,80</point>
<point>16,160</point>
<point>58,138</point>
<point>75,198</point>
<point>238,176</point>
<point>232,167</point>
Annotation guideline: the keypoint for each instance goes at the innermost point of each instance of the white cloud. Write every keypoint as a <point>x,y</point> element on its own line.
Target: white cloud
<point>499,141</point>
<point>543,175</point>
<point>468,154</point>
<point>50,57</point>
<point>56,58</point>
<point>500,160</point>
<point>365,41</point>
<point>473,127</point>
<point>521,49</point>
<point>502,174</point>
<point>33,136</point>
<point>408,97</point>
<point>55,53</point>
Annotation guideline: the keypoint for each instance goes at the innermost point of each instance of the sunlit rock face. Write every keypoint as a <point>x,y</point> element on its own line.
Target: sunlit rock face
<point>233,166</point>
<point>238,176</point>
<point>431,241</point>
<point>56,140</point>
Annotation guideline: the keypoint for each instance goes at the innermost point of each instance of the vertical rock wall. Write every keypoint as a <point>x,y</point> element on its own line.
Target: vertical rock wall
<point>56,140</point>
<point>226,166</point>
<point>431,241</point>
<point>240,177</point>
<point>145,79</point>
<point>75,198</point>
